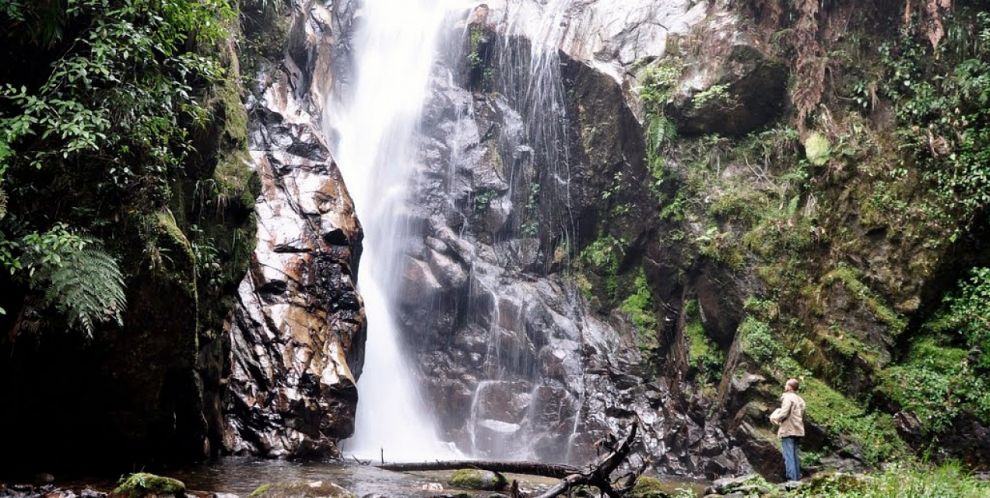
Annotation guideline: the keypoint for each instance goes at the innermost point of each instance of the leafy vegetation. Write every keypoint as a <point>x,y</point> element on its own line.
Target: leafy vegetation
<point>483,199</point>
<point>105,112</point>
<point>758,341</point>
<point>658,83</point>
<point>942,100</point>
<point>949,480</point>
<point>966,315</point>
<point>714,93</point>
<point>87,287</point>
<point>703,354</point>
<point>639,307</point>
<point>842,417</point>
<point>944,375</point>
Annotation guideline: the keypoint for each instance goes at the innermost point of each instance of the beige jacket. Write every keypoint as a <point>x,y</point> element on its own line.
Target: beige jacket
<point>790,415</point>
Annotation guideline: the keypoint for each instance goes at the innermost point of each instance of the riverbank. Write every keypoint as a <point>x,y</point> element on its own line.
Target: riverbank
<point>243,477</point>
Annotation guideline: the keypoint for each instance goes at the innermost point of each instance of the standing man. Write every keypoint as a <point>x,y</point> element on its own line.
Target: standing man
<point>790,418</point>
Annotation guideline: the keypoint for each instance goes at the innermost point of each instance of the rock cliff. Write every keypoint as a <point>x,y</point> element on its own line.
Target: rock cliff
<point>297,335</point>
<point>626,211</point>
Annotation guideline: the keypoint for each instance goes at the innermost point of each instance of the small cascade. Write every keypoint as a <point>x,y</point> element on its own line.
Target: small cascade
<point>528,75</point>
<point>393,52</point>
<point>531,79</point>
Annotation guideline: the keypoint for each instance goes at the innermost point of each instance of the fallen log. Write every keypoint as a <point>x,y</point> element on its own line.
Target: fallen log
<point>598,474</point>
<point>526,468</point>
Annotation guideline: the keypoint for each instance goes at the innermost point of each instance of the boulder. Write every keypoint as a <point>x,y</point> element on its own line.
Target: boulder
<point>730,95</point>
<point>297,335</point>
<point>143,484</point>
<point>478,479</point>
<point>745,485</point>
<point>301,489</point>
<point>650,487</point>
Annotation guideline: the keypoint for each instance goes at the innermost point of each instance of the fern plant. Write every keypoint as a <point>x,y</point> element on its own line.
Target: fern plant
<point>87,287</point>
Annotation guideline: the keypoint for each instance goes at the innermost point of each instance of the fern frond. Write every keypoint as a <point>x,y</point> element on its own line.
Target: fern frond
<point>88,288</point>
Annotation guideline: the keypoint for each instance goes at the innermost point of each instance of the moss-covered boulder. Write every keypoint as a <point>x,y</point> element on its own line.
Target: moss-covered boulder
<point>143,484</point>
<point>748,485</point>
<point>478,479</point>
<point>649,487</point>
<point>301,489</point>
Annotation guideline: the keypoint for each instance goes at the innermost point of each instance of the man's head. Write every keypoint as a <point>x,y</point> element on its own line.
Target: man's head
<point>792,385</point>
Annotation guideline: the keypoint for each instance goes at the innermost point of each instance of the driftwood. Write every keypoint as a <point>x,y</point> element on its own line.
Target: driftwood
<point>527,468</point>
<point>597,475</point>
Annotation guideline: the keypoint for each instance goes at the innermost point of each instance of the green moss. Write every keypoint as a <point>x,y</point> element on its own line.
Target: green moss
<point>850,347</point>
<point>759,342</point>
<point>817,149</point>
<point>260,490</point>
<point>896,481</point>
<point>741,204</point>
<point>478,479</point>
<point>235,119</point>
<point>721,246</point>
<point>650,487</point>
<point>703,354</point>
<point>638,306</point>
<point>144,484</point>
<point>840,416</point>
<point>849,278</point>
<point>937,383</point>
<point>167,247</point>
<point>235,181</point>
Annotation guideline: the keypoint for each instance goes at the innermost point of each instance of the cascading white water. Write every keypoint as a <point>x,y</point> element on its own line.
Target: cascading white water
<point>394,49</point>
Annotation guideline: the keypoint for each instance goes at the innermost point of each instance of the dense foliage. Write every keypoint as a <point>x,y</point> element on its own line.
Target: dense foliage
<point>948,480</point>
<point>947,373</point>
<point>941,96</point>
<point>99,107</point>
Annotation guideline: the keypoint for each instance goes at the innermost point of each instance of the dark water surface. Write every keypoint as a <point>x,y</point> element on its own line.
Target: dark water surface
<point>242,475</point>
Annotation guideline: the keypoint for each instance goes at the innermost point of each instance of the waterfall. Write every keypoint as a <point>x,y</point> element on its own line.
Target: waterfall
<point>393,51</point>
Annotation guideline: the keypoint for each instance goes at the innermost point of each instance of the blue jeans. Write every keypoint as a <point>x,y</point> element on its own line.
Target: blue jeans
<point>792,464</point>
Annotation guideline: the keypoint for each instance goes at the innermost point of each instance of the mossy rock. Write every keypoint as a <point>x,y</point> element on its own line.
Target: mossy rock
<point>301,489</point>
<point>478,479</point>
<point>144,484</point>
<point>650,487</point>
<point>748,485</point>
<point>832,482</point>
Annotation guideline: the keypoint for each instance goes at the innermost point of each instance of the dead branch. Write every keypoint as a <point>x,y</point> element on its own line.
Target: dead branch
<point>598,475</point>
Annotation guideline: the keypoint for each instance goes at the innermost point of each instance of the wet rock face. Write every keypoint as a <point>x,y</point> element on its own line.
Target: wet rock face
<point>611,37</point>
<point>297,335</point>
<point>515,361</point>
<point>734,94</point>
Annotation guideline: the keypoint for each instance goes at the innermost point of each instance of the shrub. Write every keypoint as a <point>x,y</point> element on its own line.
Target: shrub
<point>759,342</point>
